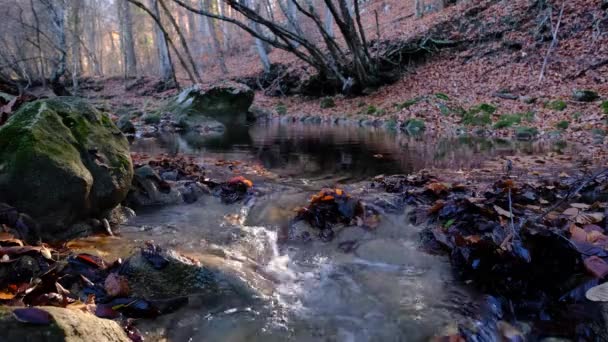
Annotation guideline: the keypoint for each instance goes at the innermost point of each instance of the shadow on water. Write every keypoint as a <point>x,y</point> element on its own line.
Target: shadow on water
<point>356,153</point>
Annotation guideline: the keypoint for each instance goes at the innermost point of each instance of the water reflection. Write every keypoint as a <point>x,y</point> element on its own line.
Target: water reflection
<point>317,150</point>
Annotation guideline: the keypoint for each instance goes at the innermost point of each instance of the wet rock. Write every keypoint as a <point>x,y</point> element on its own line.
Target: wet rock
<point>169,175</point>
<point>226,102</point>
<point>125,125</point>
<point>62,161</point>
<point>156,273</point>
<point>258,114</point>
<point>120,215</point>
<point>584,95</point>
<point>166,274</point>
<point>62,325</point>
<point>150,189</point>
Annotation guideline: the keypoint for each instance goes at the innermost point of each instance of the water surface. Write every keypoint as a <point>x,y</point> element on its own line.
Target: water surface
<point>381,288</point>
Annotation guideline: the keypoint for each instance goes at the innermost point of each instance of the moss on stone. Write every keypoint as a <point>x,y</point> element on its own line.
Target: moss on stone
<point>509,120</point>
<point>442,96</point>
<point>604,107</point>
<point>67,325</point>
<point>226,102</point>
<point>558,105</point>
<point>562,124</point>
<point>61,159</point>
<point>151,118</point>
<point>327,102</point>
<point>414,126</point>
<point>281,108</point>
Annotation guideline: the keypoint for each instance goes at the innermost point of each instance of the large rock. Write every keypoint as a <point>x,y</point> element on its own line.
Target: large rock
<point>62,161</point>
<point>65,325</point>
<point>199,106</point>
<point>156,273</point>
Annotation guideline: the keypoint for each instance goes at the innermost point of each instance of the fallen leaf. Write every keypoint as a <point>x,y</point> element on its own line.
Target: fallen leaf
<point>596,266</point>
<point>116,285</point>
<point>502,212</point>
<point>437,188</point>
<point>571,212</point>
<point>577,234</point>
<point>589,218</point>
<point>32,316</point>
<point>581,206</point>
<point>598,293</point>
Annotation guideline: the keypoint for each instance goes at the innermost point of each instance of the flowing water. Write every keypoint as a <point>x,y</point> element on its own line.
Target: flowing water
<point>384,288</point>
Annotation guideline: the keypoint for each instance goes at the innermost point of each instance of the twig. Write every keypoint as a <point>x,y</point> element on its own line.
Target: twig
<point>553,43</point>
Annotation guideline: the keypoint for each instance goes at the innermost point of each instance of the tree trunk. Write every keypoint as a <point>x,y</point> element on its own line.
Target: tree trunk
<point>76,32</point>
<point>57,9</point>
<point>196,75</point>
<point>166,68</point>
<point>127,41</point>
<point>329,22</point>
<point>258,43</point>
<point>216,41</point>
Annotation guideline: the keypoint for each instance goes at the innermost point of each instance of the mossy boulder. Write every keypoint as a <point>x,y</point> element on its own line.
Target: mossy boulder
<point>157,273</point>
<point>61,161</point>
<point>65,325</point>
<point>226,102</point>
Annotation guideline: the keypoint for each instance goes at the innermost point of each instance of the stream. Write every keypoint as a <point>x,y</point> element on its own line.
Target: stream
<point>364,285</point>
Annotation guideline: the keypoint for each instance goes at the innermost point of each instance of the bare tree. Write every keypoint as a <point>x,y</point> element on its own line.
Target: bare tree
<point>352,68</point>
<point>126,41</point>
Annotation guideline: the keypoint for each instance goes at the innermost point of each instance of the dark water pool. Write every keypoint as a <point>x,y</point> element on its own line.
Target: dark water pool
<point>315,151</point>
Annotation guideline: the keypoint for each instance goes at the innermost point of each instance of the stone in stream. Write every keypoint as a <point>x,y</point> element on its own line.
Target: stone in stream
<point>208,108</point>
<point>63,161</point>
<point>150,189</point>
<point>157,274</point>
<point>60,325</point>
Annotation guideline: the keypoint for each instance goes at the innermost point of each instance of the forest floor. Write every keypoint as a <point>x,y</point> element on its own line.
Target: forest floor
<point>499,65</point>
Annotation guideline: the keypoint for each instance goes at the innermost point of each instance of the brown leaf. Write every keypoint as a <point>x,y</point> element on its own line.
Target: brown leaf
<point>577,234</point>
<point>596,266</point>
<point>571,212</point>
<point>502,212</point>
<point>116,285</point>
<point>589,218</point>
<point>437,187</point>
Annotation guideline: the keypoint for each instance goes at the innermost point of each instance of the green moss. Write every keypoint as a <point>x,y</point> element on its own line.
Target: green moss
<point>281,108</point>
<point>509,120</point>
<point>524,132</point>
<point>484,107</point>
<point>442,96</point>
<point>151,118</point>
<point>598,132</point>
<point>604,107</point>
<point>414,126</point>
<point>476,119</point>
<point>558,105</point>
<point>408,103</point>
<point>480,115</point>
<point>371,110</point>
<point>562,124</point>
<point>391,124</point>
<point>327,102</point>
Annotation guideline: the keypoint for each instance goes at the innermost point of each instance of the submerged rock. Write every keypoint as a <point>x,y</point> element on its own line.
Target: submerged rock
<point>55,324</point>
<point>205,108</point>
<point>61,161</point>
<point>155,273</point>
